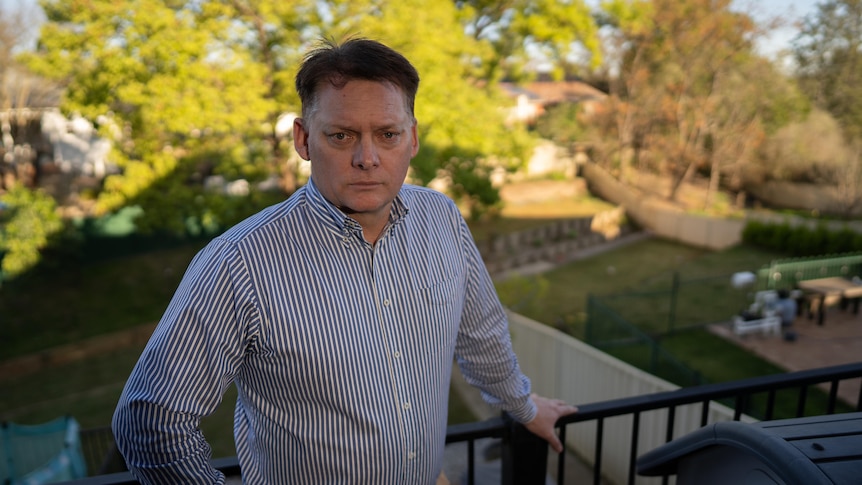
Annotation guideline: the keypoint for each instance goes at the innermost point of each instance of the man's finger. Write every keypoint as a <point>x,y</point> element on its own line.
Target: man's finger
<point>555,444</point>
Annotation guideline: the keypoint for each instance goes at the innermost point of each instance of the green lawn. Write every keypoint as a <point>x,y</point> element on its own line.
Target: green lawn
<point>643,274</point>
<point>624,269</point>
<point>79,300</point>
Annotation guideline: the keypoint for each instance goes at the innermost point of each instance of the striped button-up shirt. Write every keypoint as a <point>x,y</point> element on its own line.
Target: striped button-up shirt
<point>341,351</point>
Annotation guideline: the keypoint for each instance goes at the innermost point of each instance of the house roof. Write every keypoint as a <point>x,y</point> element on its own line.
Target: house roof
<point>553,92</point>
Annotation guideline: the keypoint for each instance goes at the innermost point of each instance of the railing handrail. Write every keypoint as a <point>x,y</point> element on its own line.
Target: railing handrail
<point>740,390</point>
<point>712,392</point>
<point>808,267</point>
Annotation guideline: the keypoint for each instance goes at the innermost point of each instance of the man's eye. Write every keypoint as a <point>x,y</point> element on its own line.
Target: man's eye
<point>339,137</point>
<point>389,135</point>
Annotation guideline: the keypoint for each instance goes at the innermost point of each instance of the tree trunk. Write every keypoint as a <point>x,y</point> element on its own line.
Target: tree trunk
<point>714,181</point>
<point>678,181</point>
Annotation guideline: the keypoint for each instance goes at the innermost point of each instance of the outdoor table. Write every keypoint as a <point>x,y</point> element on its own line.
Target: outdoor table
<point>823,288</point>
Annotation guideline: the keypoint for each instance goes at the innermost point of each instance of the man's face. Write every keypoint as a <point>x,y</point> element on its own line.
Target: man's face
<point>360,140</point>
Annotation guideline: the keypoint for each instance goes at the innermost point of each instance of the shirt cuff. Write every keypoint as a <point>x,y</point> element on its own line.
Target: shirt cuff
<point>525,412</point>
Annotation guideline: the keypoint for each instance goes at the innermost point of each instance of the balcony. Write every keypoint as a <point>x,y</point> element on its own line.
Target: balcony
<point>605,438</point>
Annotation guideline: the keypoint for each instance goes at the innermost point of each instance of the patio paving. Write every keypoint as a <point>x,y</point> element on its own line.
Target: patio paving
<point>838,341</point>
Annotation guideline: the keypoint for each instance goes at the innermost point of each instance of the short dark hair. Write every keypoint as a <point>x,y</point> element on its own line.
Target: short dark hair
<point>356,58</point>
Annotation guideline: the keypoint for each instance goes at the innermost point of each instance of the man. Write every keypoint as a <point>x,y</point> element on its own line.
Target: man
<point>336,313</point>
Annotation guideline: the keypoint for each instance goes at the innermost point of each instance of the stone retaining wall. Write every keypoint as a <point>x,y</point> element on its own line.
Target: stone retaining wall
<point>554,243</point>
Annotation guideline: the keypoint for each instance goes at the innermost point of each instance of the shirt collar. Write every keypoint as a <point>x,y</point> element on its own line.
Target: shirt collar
<point>342,221</point>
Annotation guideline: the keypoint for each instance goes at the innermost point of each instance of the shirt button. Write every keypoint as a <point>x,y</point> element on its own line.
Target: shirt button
<point>406,405</point>
<point>411,455</point>
<point>397,354</point>
<point>386,302</point>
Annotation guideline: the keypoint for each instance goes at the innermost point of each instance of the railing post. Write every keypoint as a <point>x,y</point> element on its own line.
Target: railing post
<point>524,457</point>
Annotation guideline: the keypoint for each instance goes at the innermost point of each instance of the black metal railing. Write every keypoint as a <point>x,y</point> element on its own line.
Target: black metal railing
<point>740,393</point>
<point>524,456</point>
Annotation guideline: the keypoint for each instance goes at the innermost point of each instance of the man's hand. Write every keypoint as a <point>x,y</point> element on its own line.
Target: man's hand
<point>548,411</point>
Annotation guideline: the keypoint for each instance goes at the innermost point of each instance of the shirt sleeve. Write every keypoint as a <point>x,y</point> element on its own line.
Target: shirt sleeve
<point>184,370</point>
<point>484,347</point>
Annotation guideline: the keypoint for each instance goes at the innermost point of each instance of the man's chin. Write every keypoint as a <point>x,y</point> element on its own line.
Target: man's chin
<point>362,207</point>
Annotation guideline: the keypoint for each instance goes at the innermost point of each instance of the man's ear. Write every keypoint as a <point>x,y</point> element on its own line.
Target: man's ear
<point>415,139</point>
<point>300,138</point>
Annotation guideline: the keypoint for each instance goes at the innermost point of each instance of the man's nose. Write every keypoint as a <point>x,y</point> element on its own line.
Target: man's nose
<point>366,156</point>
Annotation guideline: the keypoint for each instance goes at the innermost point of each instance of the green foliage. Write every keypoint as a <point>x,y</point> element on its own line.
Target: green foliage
<point>801,240</point>
<point>172,86</point>
<point>28,221</point>
<point>555,31</point>
<point>471,184</point>
<point>561,124</point>
<point>841,240</point>
<point>188,89</point>
<point>631,16</point>
<point>196,212</point>
<point>462,130</point>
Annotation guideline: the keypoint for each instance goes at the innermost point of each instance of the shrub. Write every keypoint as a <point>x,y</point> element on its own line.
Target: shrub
<point>28,221</point>
<point>801,240</point>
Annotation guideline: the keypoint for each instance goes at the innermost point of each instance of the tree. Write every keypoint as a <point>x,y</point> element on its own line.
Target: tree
<point>562,123</point>
<point>19,90</point>
<point>828,53</point>
<point>165,84</point>
<point>686,99</point>
<point>623,126</point>
<point>188,89</point>
<point>28,222</point>
<point>28,218</point>
<point>517,33</point>
<point>814,151</point>
<point>463,135</point>
<point>13,34</point>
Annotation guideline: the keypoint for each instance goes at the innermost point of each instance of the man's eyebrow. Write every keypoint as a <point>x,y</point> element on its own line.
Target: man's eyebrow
<point>337,127</point>
<point>382,127</point>
<point>389,127</point>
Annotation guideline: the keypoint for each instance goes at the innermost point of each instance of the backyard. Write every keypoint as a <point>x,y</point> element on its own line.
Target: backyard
<point>116,294</point>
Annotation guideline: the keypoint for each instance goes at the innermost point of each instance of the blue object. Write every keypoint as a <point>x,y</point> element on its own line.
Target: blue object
<point>42,453</point>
